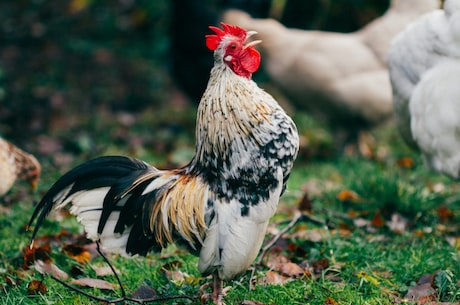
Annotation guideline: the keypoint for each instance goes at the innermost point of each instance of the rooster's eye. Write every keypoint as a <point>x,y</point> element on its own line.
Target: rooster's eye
<point>233,46</point>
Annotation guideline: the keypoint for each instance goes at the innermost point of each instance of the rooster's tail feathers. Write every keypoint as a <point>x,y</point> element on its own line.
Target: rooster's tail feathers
<point>97,191</point>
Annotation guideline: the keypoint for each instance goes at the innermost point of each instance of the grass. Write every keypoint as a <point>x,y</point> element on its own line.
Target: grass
<point>368,264</point>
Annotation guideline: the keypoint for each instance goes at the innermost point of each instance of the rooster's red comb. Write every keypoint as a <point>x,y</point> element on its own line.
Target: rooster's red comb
<point>213,41</point>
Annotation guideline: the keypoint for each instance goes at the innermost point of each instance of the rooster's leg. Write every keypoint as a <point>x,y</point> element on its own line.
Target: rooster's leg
<point>217,292</point>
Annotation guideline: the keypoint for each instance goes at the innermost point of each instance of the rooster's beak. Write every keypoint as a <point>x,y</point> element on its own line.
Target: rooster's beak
<point>249,34</point>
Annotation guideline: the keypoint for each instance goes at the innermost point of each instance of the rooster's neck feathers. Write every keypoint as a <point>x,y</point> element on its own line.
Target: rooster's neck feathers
<point>242,136</point>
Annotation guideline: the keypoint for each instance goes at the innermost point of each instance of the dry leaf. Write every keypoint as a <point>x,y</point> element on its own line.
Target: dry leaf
<point>275,260</point>
<point>93,283</point>
<point>330,301</point>
<point>305,204</point>
<point>176,276</point>
<point>320,265</point>
<point>398,223</point>
<point>78,253</point>
<point>36,287</point>
<point>51,269</point>
<point>291,269</point>
<point>366,145</point>
<point>30,254</point>
<point>349,196</point>
<point>421,294</point>
<point>274,278</point>
<point>105,271</point>
<point>405,162</point>
<point>144,292</point>
<point>444,213</point>
<point>377,220</point>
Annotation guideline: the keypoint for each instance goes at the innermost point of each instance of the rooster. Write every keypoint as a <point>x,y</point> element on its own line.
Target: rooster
<point>16,164</point>
<point>424,65</point>
<point>218,206</point>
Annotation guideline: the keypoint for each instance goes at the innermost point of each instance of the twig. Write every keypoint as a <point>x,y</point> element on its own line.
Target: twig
<point>98,248</point>
<point>298,215</point>
<point>267,247</point>
<point>120,299</point>
<point>123,297</point>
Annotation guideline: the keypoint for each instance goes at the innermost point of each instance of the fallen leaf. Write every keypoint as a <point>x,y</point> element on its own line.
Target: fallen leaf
<point>78,253</point>
<point>275,260</point>
<point>176,276</point>
<point>144,292</point>
<point>377,220</point>
<point>398,223</point>
<point>444,213</point>
<point>349,196</point>
<point>320,265</point>
<point>30,254</point>
<point>305,204</point>
<point>405,162</point>
<point>367,145</point>
<point>93,283</point>
<point>51,269</point>
<point>421,294</point>
<point>314,235</point>
<point>291,269</point>
<point>10,281</point>
<point>105,271</point>
<point>274,278</point>
<point>330,301</point>
<point>36,287</point>
<point>454,241</point>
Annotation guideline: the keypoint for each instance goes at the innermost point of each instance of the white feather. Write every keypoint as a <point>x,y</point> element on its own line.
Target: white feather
<point>233,241</point>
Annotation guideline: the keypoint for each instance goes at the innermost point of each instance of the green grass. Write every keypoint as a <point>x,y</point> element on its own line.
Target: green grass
<point>368,264</point>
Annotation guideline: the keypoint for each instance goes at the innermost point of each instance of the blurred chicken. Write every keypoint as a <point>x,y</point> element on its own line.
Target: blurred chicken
<point>341,78</point>
<point>16,164</point>
<point>424,65</point>
<point>218,206</point>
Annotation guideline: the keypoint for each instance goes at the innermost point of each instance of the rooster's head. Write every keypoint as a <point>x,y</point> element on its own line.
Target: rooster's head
<point>231,46</point>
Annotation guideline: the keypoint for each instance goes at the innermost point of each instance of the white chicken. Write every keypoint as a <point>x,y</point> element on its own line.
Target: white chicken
<point>424,65</point>
<point>341,78</point>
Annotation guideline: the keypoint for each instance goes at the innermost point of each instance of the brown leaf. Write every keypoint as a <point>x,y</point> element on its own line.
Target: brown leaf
<point>314,235</point>
<point>444,213</point>
<point>349,196</point>
<point>30,254</point>
<point>36,287</point>
<point>93,283</point>
<point>320,265</point>
<point>77,252</point>
<point>144,292</point>
<point>275,260</point>
<point>171,266</point>
<point>105,271</point>
<point>377,220</point>
<point>274,278</point>
<point>367,145</point>
<point>176,275</point>
<point>330,301</point>
<point>291,269</point>
<point>51,269</point>
<point>421,294</point>
<point>305,204</point>
<point>405,162</point>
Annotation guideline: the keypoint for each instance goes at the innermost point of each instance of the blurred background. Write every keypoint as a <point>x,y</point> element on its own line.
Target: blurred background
<point>70,70</point>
